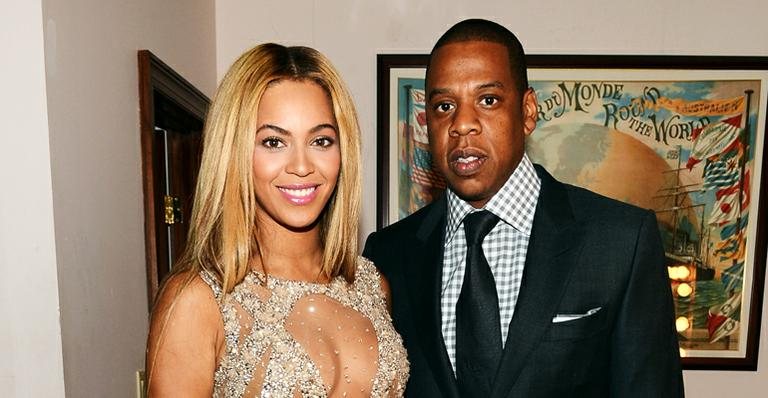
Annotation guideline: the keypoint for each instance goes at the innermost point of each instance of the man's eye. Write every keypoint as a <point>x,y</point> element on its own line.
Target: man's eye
<point>489,101</point>
<point>444,107</point>
<point>272,143</point>
<point>324,142</point>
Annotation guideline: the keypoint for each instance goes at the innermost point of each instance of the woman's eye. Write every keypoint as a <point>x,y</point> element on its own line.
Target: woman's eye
<point>272,143</point>
<point>324,142</point>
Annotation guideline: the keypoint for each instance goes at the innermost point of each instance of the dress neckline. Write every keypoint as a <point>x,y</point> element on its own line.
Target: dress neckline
<point>261,277</point>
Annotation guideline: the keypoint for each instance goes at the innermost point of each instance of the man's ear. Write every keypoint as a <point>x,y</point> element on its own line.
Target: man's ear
<point>530,111</point>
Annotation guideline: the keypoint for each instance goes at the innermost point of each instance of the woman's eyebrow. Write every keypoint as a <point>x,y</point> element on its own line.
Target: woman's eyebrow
<point>277,129</point>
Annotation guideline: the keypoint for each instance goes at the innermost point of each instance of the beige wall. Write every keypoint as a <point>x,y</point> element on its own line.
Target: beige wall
<point>352,32</point>
<point>91,67</point>
<point>30,335</point>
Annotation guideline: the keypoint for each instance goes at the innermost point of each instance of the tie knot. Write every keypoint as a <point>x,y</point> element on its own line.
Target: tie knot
<point>477,225</point>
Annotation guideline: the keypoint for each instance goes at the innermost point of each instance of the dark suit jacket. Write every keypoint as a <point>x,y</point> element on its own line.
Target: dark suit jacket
<point>585,251</point>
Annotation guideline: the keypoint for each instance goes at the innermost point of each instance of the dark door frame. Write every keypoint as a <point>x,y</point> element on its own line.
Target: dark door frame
<point>155,77</point>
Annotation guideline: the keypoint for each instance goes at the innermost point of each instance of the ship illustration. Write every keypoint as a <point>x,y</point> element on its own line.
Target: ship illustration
<point>685,234</point>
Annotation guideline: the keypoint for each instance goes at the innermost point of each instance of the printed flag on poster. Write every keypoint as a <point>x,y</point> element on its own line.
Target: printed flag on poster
<point>714,139</point>
<point>729,230</point>
<point>723,320</point>
<point>728,245</point>
<point>733,278</point>
<point>726,208</point>
<point>418,117</point>
<point>723,172</point>
<point>745,190</point>
<point>423,171</point>
<point>740,251</point>
<point>732,248</point>
<point>425,179</point>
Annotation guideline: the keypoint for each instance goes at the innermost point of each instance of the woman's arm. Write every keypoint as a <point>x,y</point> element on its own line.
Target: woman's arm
<point>185,339</point>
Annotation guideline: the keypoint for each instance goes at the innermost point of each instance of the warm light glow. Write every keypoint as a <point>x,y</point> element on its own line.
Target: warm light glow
<point>683,353</point>
<point>680,272</point>
<point>682,324</point>
<point>684,290</point>
<point>672,271</point>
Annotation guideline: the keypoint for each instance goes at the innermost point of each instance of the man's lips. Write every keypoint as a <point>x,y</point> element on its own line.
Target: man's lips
<point>467,161</point>
<point>299,194</point>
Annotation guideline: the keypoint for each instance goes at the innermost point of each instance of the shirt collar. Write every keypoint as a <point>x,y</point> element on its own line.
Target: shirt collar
<point>514,203</point>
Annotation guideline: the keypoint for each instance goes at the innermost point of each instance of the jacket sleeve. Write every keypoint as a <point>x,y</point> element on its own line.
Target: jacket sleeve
<point>645,358</point>
<point>370,243</point>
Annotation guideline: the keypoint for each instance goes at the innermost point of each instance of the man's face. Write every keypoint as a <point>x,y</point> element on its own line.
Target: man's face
<point>476,117</point>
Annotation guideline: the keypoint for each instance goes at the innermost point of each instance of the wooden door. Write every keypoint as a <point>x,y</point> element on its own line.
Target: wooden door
<point>172,115</point>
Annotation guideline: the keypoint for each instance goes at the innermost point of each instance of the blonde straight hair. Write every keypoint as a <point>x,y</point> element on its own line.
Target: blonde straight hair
<point>223,227</point>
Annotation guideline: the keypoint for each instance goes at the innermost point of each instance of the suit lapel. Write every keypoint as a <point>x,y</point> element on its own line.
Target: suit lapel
<point>552,253</point>
<point>424,275</point>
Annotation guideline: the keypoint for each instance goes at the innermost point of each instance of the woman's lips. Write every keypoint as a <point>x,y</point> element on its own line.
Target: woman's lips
<point>299,194</point>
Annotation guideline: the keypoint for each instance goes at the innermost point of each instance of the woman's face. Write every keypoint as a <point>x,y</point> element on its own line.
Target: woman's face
<point>296,159</point>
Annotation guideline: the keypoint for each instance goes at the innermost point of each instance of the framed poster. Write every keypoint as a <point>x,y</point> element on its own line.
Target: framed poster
<point>683,136</point>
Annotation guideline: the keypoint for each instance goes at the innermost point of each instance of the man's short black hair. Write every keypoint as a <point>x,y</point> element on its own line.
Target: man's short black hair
<point>484,30</point>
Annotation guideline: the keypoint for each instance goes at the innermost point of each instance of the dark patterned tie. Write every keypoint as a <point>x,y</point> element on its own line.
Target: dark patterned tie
<point>478,329</point>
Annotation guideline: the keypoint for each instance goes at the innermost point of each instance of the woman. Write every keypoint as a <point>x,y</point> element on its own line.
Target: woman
<point>270,298</point>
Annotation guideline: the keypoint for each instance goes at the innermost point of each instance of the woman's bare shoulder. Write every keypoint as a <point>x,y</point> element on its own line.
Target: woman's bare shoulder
<point>183,292</point>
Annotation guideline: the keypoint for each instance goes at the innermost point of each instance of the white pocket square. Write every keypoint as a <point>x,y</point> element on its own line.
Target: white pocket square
<point>559,318</point>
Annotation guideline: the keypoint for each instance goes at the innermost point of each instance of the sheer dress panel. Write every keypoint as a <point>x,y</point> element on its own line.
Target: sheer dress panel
<point>287,338</point>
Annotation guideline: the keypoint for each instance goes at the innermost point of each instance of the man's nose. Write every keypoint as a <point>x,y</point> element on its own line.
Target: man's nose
<point>464,121</point>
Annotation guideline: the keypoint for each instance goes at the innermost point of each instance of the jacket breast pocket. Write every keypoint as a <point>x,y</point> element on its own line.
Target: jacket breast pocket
<point>570,326</point>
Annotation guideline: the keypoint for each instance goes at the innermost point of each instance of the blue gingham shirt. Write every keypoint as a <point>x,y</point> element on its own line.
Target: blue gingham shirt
<point>504,247</point>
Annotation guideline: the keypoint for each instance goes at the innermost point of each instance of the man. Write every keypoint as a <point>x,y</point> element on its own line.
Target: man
<point>513,284</point>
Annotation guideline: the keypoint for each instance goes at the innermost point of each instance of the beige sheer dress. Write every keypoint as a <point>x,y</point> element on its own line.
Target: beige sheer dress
<point>300,339</point>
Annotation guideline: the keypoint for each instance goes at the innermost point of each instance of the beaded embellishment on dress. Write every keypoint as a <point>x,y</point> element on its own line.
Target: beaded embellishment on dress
<point>284,339</point>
